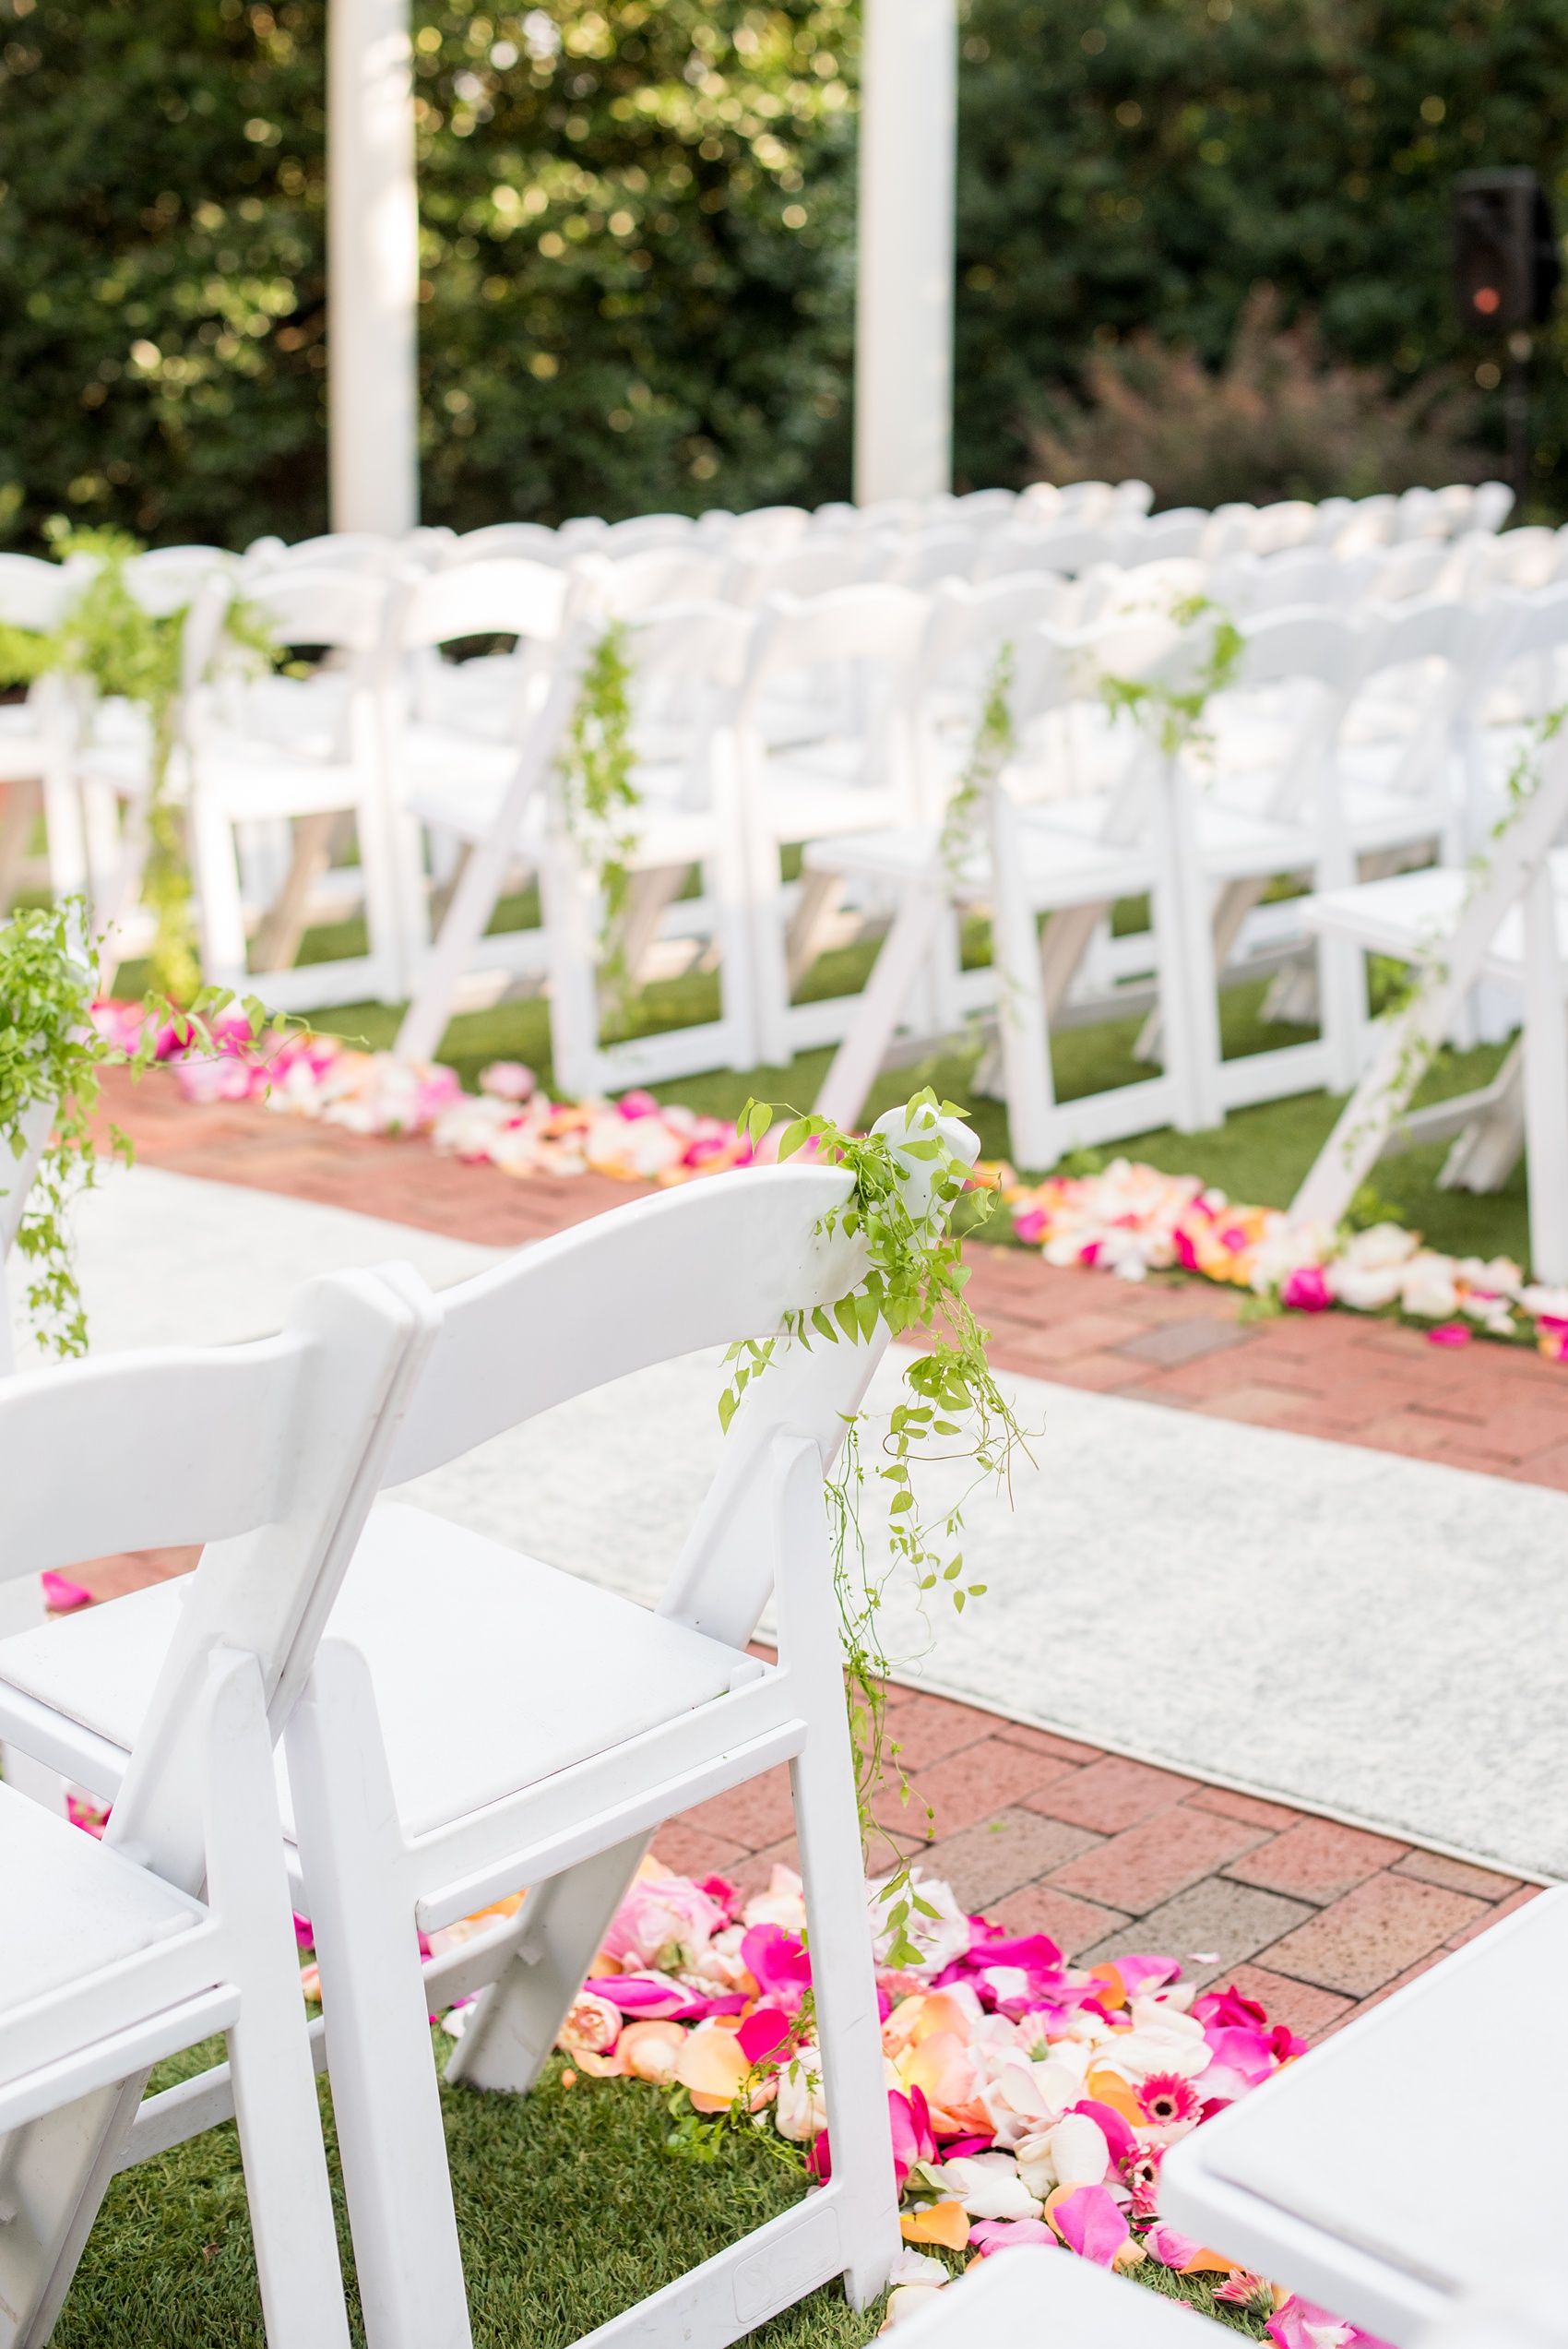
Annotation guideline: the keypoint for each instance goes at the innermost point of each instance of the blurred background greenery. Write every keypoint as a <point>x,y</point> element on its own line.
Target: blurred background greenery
<point>638,244</point>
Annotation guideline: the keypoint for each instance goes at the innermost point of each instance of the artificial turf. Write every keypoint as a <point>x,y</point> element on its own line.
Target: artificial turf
<point>570,2205</point>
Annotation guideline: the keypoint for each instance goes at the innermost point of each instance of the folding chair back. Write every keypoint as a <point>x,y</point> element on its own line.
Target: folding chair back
<point>867,623</point>
<point>168,577</point>
<point>640,533</point>
<point>34,594</point>
<point>660,574</point>
<point>530,541</point>
<point>268,1453</point>
<point>812,566</point>
<point>940,553</point>
<point>703,1265</point>
<point>322,604</point>
<point>503,596</point>
<point>1072,547</point>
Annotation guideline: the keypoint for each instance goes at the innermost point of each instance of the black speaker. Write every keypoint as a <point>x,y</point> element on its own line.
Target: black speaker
<point>1506,261</point>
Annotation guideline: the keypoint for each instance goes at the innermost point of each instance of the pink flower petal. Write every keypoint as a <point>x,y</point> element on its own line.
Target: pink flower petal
<point>1089,2222</point>
<point>62,1597</point>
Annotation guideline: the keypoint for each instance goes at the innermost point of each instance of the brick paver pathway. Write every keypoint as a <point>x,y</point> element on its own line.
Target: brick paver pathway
<point>1106,1855</point>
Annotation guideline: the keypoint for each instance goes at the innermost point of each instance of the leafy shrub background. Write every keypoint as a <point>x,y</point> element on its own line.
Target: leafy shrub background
<point>1278,419</point>
<point>637,236</point>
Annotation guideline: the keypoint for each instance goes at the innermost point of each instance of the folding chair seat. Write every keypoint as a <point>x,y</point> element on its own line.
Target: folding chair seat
<point>427,1780</point>
<point>1038,2298</point>
<point>178,1925</point>
<point>1319,2179</point>
<point>284,774</point>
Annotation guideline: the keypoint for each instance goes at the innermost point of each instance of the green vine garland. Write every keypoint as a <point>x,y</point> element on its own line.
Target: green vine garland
<point>1180,715</point>
<point>994,746</point>
<point>52,1058</point>
<point>915,1280</point>
<point>105,637</point>
<point>598,793</point>
<point>1408,1000</point>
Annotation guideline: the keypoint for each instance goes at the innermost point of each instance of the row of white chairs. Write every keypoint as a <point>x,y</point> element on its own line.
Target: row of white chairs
<point>416,1784</point>
<point>836,722</point>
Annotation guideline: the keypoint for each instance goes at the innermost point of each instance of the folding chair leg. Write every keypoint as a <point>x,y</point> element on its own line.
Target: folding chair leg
<point>1546,1083</point>
<point>513,2022</point>
<point>384,2087</point>
<point>859,1058</point>
<point>822,1779</point>
<point>56,2171</point>
<point>275,2096</point>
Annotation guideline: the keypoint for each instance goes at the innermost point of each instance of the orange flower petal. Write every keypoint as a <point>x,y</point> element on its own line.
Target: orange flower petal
<point>1109,2088</point>
<point>1115,1991</point>
<point>943,2222</point>
<point>711,2067</point>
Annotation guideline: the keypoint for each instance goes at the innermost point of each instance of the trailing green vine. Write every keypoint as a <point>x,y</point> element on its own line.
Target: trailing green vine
<point>1180,715</point>
<point>907,1178</point>
<point>107,637</point>
<point>52,1059</point>
<point>1407,996</point>
<point>994,746</point>
<point>598,793</point>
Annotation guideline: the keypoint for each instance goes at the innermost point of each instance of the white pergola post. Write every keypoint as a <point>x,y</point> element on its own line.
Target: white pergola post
<point>373,268</point>
<point>904,303</point>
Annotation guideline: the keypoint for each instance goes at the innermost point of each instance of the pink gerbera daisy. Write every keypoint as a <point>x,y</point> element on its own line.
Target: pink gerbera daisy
<point>1141,2171</point>
<point>1167,2098</point>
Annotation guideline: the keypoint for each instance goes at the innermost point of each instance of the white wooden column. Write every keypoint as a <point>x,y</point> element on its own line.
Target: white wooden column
<point>904,303</point>
<point>372,267</point>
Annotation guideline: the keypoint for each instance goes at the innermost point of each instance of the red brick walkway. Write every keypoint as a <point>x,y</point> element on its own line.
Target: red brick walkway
<point>1104,1854</point>
<point>1171,1340</point>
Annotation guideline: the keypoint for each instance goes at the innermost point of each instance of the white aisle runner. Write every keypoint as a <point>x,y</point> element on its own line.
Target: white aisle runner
<point>1368,1635</point>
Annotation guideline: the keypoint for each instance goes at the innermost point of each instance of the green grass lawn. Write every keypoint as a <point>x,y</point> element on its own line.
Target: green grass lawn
<point>569,2204</point>
<point>1259,1155</point>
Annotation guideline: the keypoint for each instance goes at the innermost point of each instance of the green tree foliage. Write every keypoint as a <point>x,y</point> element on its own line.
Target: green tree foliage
<point>636,229</point>
<point>1141,168</point>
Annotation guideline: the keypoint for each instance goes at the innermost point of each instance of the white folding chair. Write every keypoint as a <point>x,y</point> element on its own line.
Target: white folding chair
<point>21,1599</point>
<point>1034,2297</point>
<point>1069,854</point>
<point>815,564</point>
<point>824,733</point>
<point>116,1955</point>
<point>688,663</point>
<point>1319,2177</point>
<point>1071,547</point>
<point>1508,920</point>
<point>533,541</point>
<point>284,773</point>
<point>684,574</point>
<point>453,732</point>
<point>427,1780</point>
<point>36,739</point>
